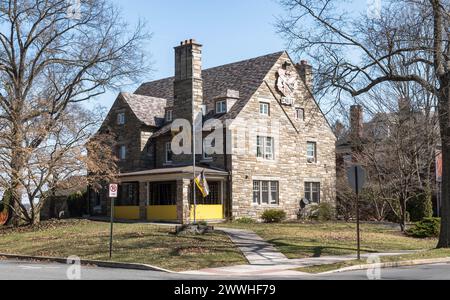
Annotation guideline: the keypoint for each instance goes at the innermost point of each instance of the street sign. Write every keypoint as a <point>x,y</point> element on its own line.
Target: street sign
<point>113,189</point>
<point>113,192</point>
<point>356,178</point>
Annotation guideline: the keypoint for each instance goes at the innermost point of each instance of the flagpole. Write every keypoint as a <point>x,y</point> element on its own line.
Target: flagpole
<point>194,190</point>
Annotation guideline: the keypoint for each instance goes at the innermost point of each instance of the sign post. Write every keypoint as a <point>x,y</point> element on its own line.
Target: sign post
<point>357,179</point>
<point>113,191</point>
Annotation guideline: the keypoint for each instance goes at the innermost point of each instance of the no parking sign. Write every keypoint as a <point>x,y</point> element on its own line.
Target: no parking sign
<point>113,188</point>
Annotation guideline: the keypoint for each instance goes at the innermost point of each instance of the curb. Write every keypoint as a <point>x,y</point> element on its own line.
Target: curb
<point>86,262</point>
<point>397,264</point>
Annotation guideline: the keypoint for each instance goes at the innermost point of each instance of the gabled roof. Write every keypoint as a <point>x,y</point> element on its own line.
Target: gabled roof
<point>149,110</point>
<point>244,76</point>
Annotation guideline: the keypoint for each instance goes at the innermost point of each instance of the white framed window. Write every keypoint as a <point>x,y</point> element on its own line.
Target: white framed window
<point>265,147</point>
<point>221,107</point>
<point>121,118</point>
<point>312,192</point>
<point>265,192</point>
<point>300,114</point>
<point>311,152</point>
<point>264,109</point>
<point>169,153</point>
<point>169,115</point>
<point>122,152</point>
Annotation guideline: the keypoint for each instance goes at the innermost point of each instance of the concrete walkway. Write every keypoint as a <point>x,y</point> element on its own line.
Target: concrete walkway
<point>264,259</point>
<point>255,249</point>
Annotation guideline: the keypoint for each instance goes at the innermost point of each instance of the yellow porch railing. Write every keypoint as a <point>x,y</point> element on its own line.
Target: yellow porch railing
<point>127,212</point>
<point>162,213</point>
<point>208,212</point>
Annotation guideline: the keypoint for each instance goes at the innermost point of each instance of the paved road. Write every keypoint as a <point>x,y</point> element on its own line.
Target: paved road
<point>17,270</point>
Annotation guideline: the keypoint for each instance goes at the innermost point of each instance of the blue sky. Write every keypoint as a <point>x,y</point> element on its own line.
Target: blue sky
<point>229,30</point>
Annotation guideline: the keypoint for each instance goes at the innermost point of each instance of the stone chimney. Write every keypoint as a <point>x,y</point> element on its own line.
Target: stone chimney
<point>356,124</point>
<point>404,107</point>
<point>188,85</point>
<point>306,73</point>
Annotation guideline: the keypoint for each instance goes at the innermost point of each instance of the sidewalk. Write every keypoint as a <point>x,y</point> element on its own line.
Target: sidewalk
<point>264,259</point>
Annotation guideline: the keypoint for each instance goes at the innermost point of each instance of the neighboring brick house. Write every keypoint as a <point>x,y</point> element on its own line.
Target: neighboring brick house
<point>278,146</point>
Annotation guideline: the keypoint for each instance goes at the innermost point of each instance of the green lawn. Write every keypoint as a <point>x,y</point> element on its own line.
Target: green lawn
<point>325,239</point>
<point>135,243</point>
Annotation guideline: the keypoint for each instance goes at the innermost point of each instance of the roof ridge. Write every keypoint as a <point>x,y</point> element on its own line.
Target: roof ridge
<point>224,65</point>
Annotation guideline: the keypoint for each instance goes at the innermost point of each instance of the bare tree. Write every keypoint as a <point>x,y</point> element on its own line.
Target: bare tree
<point>54,54</point>
<point>356,54</point>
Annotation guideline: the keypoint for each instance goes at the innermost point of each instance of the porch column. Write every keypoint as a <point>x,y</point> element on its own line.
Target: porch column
<point>143,194</point>
<point>183,211</point>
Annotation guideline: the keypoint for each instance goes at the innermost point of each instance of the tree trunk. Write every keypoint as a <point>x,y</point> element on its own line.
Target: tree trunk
<point>403,215</point>
<point>444,118</point>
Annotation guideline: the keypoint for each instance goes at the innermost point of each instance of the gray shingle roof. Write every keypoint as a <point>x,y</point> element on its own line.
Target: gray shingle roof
<point>149,110</point>
<point>244,76</point>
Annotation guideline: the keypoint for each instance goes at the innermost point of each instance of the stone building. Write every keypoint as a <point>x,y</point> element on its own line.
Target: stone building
<point>261,140</point>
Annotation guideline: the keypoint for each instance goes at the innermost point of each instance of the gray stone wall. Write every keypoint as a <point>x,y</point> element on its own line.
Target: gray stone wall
<point>290,166</point>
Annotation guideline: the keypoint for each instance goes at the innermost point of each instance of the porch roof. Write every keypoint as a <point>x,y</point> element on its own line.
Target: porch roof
<point>180,171</point>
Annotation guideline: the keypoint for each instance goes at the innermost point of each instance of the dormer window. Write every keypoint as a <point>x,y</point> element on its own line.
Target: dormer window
<point>169,115</point>
<point>221,107</point>
<point>121,118</point>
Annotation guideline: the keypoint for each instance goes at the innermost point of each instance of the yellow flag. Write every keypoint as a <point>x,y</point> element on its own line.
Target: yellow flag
<point>202,184</point>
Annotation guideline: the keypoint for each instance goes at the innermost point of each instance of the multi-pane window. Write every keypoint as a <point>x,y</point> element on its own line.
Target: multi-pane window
<point>257,192</point>
<point>169,115</point>
<point>214,197</point>
<point>163,193</point>
<point>221,107</point>
<point>121,118</point>
<point>265,192</point>
<point>169,153</point>
<point>265,147</point>
<point>300,114</point>
<point>312,192</point>
<point>122,152</point>
<point>311,152</point>
<point>264,109</point>
<point>128,194</point>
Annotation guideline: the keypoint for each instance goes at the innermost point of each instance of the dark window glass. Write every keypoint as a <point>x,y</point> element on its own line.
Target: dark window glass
<point>257,192</point>
<point>213,198</point>
<point>312,192</point>
<point>274,192</point>
<point>129,194</point>
<point>163,193</point>
<point>265,192</point>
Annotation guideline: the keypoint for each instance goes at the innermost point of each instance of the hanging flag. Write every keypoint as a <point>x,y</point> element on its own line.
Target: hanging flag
<point>202,184</point>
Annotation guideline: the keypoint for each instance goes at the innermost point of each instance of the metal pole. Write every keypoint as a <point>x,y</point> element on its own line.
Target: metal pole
<point>111,229</point>
<point>194,190</point>
<point>358,232</point>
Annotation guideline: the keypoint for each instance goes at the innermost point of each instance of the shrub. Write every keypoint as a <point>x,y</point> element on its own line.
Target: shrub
<point>322,212</point>
<point>273,216</point>
<point>326,212</point>
<point>202,223</point>
<point>427,228</point>
<point>421,206</point>
<point>245,220</point>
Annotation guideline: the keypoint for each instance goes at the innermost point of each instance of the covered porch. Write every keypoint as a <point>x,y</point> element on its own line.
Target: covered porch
<point>165,195</point>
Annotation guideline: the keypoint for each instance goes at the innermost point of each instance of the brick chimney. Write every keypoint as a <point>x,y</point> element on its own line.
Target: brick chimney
<point>188,85</point>
<point>306,73</point>
<point>356,124</point>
